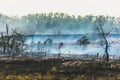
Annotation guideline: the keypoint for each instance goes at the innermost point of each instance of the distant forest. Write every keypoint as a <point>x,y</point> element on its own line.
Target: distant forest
<point>52,23</point>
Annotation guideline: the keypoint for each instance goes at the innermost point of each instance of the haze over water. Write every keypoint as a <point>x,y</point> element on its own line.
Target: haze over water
<point>70,44</point>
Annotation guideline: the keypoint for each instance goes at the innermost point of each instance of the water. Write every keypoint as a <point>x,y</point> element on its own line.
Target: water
<point>70,45</point>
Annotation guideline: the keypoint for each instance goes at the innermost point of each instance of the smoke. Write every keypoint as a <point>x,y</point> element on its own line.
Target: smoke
<point>53,23</point>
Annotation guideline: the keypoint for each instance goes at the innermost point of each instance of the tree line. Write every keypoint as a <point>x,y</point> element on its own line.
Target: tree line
<point>51,23</point>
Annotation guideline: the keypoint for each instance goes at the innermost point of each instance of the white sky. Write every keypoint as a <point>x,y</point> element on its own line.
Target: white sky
<point>74,7</point>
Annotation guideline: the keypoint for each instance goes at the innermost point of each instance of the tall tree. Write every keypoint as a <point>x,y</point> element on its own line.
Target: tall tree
<point>103,33</point>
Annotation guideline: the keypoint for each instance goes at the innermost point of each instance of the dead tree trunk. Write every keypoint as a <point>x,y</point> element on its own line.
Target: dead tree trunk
<point>3,43</point>
<point>104,35</point>
<point>106,50</point>
<point>7,43</point>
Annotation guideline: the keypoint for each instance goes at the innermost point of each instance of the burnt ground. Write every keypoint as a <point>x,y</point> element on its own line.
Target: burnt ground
<point>69,68</point>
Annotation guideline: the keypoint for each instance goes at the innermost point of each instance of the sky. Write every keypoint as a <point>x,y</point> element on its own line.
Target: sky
<point>71,7</point>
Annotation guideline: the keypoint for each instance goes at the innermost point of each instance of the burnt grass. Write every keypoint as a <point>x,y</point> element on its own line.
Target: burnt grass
<point>27,66</point>
<point>70,68</point>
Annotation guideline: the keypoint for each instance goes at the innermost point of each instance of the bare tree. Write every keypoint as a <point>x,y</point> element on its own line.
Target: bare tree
<point>99,26</point>
<point>5,40</point>
<point>7,43</point>
<point>12,42</point>
<point>17,41</point>
<point>3,43</point>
